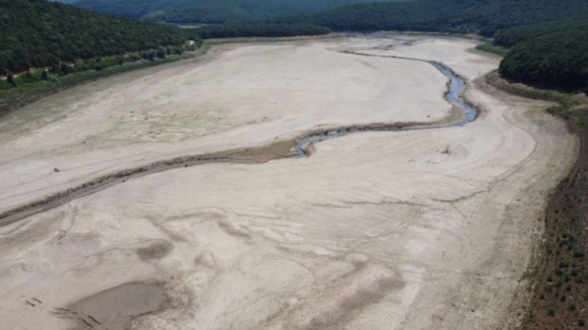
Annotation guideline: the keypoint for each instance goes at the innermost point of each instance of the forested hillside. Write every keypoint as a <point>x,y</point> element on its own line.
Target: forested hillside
<point>258,30</point>
<point>512,36</point>
<point>37,33</point>
<point>552,54</point>
<point>210,11</point>
<point>548,38</point>
<point>459,16</point>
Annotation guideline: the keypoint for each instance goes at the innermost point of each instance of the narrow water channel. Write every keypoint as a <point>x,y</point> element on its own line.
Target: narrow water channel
<point>454,95</point>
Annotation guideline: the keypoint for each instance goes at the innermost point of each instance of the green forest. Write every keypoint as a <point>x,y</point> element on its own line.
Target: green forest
<point>512,36</point>
<point>458,16</point>
<point>210,11</point>
<point>553,54</point>
<point>546,39</point>
<point>258,30</point>
<point>37,33</point>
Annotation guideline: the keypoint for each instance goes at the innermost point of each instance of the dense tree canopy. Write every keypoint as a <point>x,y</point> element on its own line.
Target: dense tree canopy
<point>37,33</point>
<point>210,11</point>
<point>552,55</point>
<point>259,30</point>
<point>372,17</point>
<point>512,36</point>
<point>548,47</point>
<point>485,17</point>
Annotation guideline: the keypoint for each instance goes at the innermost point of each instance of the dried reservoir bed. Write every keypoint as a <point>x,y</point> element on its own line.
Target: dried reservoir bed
<point>411,229</point>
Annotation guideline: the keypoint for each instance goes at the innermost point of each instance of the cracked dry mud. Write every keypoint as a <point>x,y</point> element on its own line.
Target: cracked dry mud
<point>427,229</point>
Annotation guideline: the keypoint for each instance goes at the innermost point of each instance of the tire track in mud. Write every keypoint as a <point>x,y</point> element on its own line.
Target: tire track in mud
<point>298,147</point>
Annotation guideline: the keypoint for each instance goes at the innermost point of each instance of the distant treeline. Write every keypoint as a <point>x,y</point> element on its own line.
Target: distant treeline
<point>459,16</point>
<point>37,33</point>
<point>512,36</point>
<point>210,11</point>
<point>55,71</point>
<point>547,47</point>
<point>259,30</point>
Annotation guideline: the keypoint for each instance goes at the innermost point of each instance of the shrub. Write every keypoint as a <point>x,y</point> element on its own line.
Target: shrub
<point>10,79</point>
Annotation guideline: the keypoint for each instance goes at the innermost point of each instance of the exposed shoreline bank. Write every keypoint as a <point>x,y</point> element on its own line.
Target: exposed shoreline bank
<point>560,273</point>
<point>42,89</point>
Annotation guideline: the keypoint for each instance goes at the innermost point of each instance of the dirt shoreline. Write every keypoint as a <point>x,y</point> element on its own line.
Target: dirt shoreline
<point>559,287</point>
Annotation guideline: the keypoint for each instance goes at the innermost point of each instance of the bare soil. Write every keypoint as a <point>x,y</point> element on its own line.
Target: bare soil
<point>560,277</point>
<point>421,229</point>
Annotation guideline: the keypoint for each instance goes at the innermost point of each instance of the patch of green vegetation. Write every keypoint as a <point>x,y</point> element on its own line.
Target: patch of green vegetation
<point>29,87</point>
<point>565,101</point>
<point>38,33</point>
<point>210,11</point>
<point>512,36</point>
<point>490,48</point>
<point>458,16</point>
<point>548,57</point>
<point>249,30</point>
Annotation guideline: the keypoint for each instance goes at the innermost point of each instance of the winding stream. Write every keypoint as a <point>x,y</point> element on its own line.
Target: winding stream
<point>454,95</point>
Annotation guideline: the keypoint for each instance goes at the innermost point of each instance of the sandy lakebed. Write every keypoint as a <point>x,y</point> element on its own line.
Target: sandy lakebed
<point>419,229</point>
